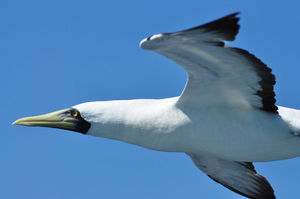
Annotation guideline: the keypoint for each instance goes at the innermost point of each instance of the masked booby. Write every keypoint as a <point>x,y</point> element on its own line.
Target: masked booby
<point>224,120</point>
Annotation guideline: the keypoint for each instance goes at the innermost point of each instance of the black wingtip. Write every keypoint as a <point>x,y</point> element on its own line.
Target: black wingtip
<point>226,28</point>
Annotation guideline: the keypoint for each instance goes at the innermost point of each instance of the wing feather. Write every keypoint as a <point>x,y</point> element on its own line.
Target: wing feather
<point>218,75</point>
<point>239,177</point>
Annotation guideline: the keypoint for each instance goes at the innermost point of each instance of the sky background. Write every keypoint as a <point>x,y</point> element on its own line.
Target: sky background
<point>56,54</point>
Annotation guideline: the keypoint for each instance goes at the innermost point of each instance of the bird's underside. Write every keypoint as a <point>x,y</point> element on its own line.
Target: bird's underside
<point>224,77</point>
<point>247,126</point>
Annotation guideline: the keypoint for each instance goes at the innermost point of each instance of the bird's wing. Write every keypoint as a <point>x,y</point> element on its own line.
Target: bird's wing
<point>218,75</point>
<point>239,177</point>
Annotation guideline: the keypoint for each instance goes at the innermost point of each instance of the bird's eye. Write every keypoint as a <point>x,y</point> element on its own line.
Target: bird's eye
<point>75,113</point>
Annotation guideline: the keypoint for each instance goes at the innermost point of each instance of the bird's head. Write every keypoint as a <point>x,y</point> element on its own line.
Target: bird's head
<point>69,119</point>
<point>100,118</point>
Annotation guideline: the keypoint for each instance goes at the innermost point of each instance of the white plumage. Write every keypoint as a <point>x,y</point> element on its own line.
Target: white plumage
<point>225,118</point>
<point>246,135</point>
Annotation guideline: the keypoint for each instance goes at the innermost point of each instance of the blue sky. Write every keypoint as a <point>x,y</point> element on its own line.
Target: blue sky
<point>56,54</point>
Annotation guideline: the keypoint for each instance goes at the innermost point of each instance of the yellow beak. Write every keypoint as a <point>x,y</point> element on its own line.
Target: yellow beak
<point>58,119</point>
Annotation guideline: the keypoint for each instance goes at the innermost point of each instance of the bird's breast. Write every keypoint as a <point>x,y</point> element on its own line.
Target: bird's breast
<point>241,135</point>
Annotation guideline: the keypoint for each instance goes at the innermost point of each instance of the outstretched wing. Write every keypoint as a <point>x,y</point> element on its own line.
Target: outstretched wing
<point>218,75</point>
<point>239,177</point>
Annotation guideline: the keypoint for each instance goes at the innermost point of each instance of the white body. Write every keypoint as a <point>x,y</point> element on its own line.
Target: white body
<point>248,135</point>
<point>225,118</point>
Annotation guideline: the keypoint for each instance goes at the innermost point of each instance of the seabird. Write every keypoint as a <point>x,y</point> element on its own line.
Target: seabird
<point>224,120</point>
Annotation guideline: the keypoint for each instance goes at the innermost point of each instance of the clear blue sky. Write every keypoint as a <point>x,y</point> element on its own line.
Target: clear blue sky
<point>55,54</point>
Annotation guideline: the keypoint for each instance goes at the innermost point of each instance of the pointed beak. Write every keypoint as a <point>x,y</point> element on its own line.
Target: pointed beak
<point>59,119</point>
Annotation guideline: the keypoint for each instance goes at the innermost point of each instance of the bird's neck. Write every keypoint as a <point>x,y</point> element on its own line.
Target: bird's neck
<point>140,122</point>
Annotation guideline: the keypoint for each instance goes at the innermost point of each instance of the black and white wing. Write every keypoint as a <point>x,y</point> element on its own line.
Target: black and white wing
<point>218,75</point>
<point>239,177</point>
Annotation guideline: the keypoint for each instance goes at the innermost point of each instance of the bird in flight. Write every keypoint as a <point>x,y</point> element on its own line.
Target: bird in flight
<point>224,120</point>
